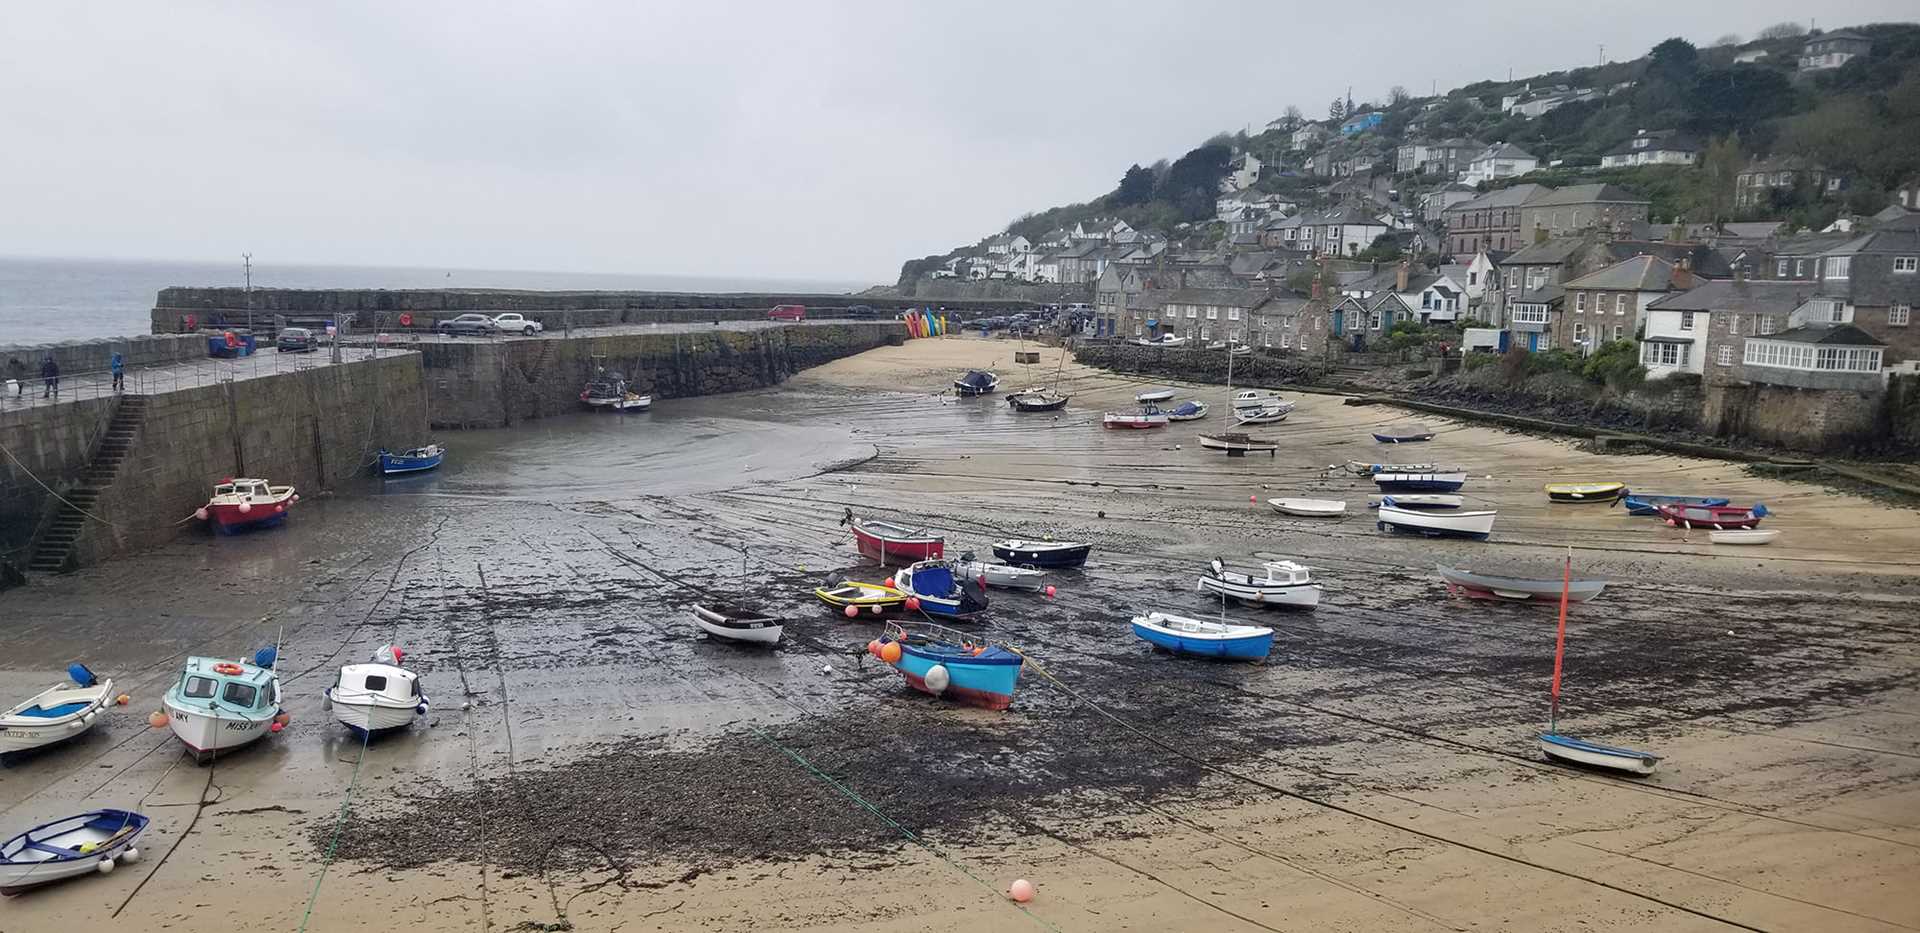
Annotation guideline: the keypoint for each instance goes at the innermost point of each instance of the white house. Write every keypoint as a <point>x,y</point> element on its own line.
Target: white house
<point>1833,49</point>
<point>1423,296</point>
<point>1342,231</point>
<point>1674,341</point>
<point>1242,172</point>
<point>1309,134</point>
<point>1659,147</point>
<point>1500,160</point>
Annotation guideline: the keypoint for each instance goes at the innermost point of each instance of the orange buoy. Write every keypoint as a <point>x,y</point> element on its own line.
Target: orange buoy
<point>890,652</point>
<point>158,720</point>
<point>1021,890</point>
<point>122,699</point>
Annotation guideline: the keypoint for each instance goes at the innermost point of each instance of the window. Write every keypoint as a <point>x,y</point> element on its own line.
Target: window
<point>1213,314</point>
<point>1725,356</point>
<point>376,682</point>
<point>1733,324</point>
<point>1906,263</point>
<point>1579,333</point>
<point>1580,302</point>
<point>1766,323</point>
<point>1837,267</point>
<point>1618,331</point>
<point>1233,314</point>
<point>1473,278</point>
<point>1899,315</point>
<point>1529,314</point>
<point>1780,269</point>
<point>1192,313</point>
<point>1513,278</point>
<point>1799,268</point>
<point>1665,354</point>
<point>1286,341</point>
<point>1686,320</point>
<point>241,695</point>
<point>199,688</point>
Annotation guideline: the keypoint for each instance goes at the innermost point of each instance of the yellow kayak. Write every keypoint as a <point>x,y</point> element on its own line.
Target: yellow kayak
<point>863,598</point>
<point>1585,492</point>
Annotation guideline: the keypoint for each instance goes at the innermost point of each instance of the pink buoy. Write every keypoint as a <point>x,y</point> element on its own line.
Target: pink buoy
<point>279,508</point>
<point>1049,591</point>
<point>913,604</point>
<point>877,609</point>
<point>296,497</point>
<point>200,513</point>
<point>246,507</point>
<point>853,612</point>
<point>1021,890</point>
<point>1253,498</point>
<point>983,581</point>
<point>276,727</point>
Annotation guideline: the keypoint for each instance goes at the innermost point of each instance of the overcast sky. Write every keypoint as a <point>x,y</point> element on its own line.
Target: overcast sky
<point>761,139</point>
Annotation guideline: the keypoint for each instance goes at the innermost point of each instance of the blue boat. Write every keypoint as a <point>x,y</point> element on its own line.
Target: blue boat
<point>411,461</point>
<point>1594,755</point>
<point>1204,639</point>
<point>1646,503</point>
<point>1420,482</point>
<point>941,590</point>
<point>947,663</point>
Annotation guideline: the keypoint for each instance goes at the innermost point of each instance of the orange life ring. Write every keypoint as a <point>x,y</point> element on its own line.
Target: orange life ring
<point>227,667</point>
<point>232,341</point>
<point>406,320</point>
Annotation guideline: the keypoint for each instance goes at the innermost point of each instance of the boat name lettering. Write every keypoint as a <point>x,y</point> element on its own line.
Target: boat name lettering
<point>238,726</point>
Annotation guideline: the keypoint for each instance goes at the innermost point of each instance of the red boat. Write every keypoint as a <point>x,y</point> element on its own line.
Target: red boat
<point>1716,517</point>
<point>246,503</point>
<point>1148,417</point>
<point>889,543</point>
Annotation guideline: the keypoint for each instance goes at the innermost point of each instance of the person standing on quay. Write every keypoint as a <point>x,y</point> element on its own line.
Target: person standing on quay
<point>17,373</point>
<point>50,371</point>
<point>119,367</point>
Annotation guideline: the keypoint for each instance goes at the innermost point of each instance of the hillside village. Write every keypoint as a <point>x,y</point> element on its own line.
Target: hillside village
<point>1745,216</point>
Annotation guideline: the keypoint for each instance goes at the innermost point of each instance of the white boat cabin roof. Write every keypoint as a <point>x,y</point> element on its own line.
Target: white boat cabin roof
<point>1286,571</point>
<point>247,689</point>
<point>244,487</point>
<point>386,680</point>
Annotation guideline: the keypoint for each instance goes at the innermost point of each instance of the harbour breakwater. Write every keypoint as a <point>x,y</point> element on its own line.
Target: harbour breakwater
<point>1195,365</point>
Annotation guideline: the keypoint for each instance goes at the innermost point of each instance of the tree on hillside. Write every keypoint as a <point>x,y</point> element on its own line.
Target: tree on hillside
<point>1735,99</point>
<point>1718,167</point>
<point>1397,96</point>
<point>1194,180</point>
<point>1293,119</point>
<point>1337,110</point>
<point>1786,30</point>
<point>1160,168</point>
<point>1727,41</point>
<point>1673,60</point>
<point>1136,187</point>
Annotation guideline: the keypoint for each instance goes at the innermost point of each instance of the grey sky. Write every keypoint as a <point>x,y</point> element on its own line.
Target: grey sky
<point>779,139</point>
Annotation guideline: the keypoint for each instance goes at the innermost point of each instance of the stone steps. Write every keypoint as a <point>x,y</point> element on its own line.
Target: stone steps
<point>53,553</point>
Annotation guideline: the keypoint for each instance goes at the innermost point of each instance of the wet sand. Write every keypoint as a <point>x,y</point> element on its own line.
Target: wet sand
<point>612,770</point>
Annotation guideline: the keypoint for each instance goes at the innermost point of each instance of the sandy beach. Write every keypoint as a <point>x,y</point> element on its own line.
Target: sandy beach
<point>592,763</point>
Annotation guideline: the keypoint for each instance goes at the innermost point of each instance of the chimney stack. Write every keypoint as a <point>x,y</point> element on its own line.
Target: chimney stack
<point>1682,278</point>
<point>1400,277</point>
<point>1316,286</point>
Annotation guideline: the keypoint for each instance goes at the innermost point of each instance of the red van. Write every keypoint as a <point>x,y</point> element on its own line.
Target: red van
<point>787,313</point>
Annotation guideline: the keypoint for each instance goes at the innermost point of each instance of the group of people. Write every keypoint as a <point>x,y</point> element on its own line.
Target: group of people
<point>50,375</point>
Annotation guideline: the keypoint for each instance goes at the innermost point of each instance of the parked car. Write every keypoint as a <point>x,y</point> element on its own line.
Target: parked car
<point>515,322</point>
<point>469,323</point>
<point>296,340</point>
<point>787,313</point>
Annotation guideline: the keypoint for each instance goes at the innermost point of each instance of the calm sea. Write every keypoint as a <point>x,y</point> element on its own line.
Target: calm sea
<point>48,300</point>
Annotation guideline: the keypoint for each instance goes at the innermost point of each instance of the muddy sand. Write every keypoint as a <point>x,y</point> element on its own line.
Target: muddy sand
<point>592,763</point>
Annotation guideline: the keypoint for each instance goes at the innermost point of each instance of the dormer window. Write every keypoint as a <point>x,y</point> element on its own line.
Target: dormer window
<point>1641,143</point>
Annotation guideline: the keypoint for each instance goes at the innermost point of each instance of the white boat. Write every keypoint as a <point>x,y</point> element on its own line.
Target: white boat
<point>220,705</point>
<point>632,402</point>
<point>1147,417</point>
<point>1743,536</point>
<point>1593,755</point>
<point>1420,500</point>
<point>1479,585</point>
<point>377,696</point>
<point>1369,469</point>
<point>82,844</point>
<point>1254,398</point>
<point>1476,524</point>
<point>1309,508</point>
<point>1155,395</point>
<point>1006,576</point>
<point>57,713</point>
<point>1286,584</point>
<point>736,624</point>
<point>1265,415</point>
<point>1240,443</point>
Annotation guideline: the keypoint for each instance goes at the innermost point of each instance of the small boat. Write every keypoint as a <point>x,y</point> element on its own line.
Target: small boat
<point>1309,508</point>
<point>411,461</point>
<point>1580,752</point>
<point>1743,536</point>
<point>1188,411</point>
<point>219,705</point>
<point>1420,482</point>
<point>1147,417</point>
<point>1493,586</point>
<point>1005,576</point>
<point>1286,584</point>
<point>887,542</point>
<point>377,697</point>
<point>1475,524</point>
<point>1037,400</point>
<point>632,401</point>
<point>869,598</point>
<point>735,624</point>
<point>57,713</point>
<point>82,844</point>
<point>975,382</point>
<point>948,663</point>
<point>1236,444</point>
<point>1585,492</point>
<point>1042,555</point>
<point>1419,500</point>
<point>1642,503</point>
<point>1716,517</point>
<point>604,389</point>
<point>1267,415</point>
<point>1403,436</point>
<point>1248,399</point>
<point>1371,469</point>
<point>240,504</point>
<point>1202,638</point>
<point>941,590</point>
<point>1155,395</point>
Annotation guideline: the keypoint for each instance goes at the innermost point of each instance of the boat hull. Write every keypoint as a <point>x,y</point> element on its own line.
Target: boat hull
<point>1749,536</point>
<point>1024,554</point>
<point>756,631</point>
<point>1031,403</point>
<point>1716,518</point>
<point>1253,647</point>
<point>1640,504</point>
<point>1476,525</point>
<point>1597,493</point>
<point>1566,748</point>
<point>1260,416</point>
<point>24,733</point>
<point>394,464</point>
<point>875,599</point>
<point>1133,422</point>
<point>986,685</point>
<point>1309,508</point>
<point>1417,500</point>
<point>1006,576</point>
<point>1231,444</point>
<point>1402,438</point>
<point>112,832</point>
<point>207,735</point>
<point>370,719</point>
<point>1518,589</point>
<point>1419,482</point>
<point>897,549</point>
<point>1296,596</point>
<point>228,519</point>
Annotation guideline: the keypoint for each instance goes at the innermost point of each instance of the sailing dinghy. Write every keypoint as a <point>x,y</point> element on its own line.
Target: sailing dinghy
<point>1569,749</point>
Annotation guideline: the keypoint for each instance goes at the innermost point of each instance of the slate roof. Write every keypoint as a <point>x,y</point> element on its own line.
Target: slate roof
<point>1707,262</point>
<point>1752,230</point>
<point>1510,196</point>
<point>1639,274</point>
<point>1845,335</point>
<point>1505,151</point>
<point>1767,296</point>
<point>1811,244</point>
<point>1223,297</point>
<point>1658,141</point>
<point>1553,252</point>
<point>1589,194</point>
<point>1545,294</point>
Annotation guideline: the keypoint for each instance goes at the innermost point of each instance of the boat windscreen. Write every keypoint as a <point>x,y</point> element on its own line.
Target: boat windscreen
<point>199,688</point>
<point>240,695</point>
<point>977,379</point>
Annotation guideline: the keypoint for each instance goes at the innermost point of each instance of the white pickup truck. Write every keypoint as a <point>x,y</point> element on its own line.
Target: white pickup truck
<point>515,322</point>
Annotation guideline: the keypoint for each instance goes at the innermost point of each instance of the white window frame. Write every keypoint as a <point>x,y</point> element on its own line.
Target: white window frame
<point>1725,355</point>
<point>1530,314</point>
<point>1579,302</point>
<point>1192,313</point>
<point>1899,315</point>
<point>1233,314</point>
<point>1837,267</point>
<point>1780,269</point>
<point>1213,314</point>
<point>1799,268</point>
<point>1766,324</point>
<point>1733,324</point>
<point>1686,320</point>
<point>1906,264</point>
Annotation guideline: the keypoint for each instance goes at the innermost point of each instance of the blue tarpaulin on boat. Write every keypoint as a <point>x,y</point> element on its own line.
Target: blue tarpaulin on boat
<point>934,581</point>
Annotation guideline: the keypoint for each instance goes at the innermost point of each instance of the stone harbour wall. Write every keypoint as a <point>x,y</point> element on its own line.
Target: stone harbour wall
<point>52,443</point>
<point>1252,369</point>
<point>93,356</point>
<point>478,383</point>
<point>1802,419</point>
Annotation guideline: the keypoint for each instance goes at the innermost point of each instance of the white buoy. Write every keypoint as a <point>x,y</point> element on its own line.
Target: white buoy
<point>937,679</point>
<point>130,856</point>
<point>104,866</point>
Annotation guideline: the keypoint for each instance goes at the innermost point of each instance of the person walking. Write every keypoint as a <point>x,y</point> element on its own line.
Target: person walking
<point>119,367</point>
<point>50,371</point>
<point>17,374</point>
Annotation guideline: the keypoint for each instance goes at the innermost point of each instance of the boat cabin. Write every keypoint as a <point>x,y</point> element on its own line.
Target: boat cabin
<point>244,488</point>
<point>1287,572</point>
<point>216,683</point>
<point>382,680</point>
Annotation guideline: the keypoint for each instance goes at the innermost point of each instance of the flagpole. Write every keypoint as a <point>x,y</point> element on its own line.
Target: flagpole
<point>1560,642</point>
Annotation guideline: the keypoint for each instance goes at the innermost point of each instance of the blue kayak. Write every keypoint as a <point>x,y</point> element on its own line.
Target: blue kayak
<point>1641,503</point>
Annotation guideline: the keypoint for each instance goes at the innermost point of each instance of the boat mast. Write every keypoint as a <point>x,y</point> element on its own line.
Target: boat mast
<point>1560,642</point>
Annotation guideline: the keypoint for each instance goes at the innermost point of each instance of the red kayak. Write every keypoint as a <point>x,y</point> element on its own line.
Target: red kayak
<point>1716,517</point>
<point>889,543</point>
